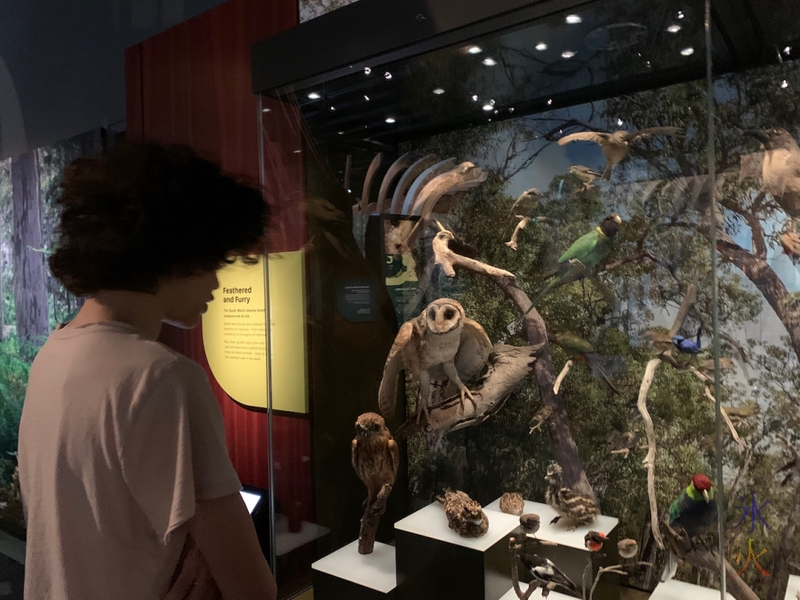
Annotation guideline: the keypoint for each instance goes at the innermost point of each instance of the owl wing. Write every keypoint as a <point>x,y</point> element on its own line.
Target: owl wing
<point>405,340</point>
<point>587,136</point>
<point>474,350</point>
<point>394,458</point>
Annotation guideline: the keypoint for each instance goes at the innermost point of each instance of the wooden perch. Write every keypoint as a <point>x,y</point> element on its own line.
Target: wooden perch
<point>562,376</point>
<point>372,517</point>
<point>523,223</point>
<point>706,560</point>
<point>644,390</point>
<point>508,367</point>
<point>563,444</point>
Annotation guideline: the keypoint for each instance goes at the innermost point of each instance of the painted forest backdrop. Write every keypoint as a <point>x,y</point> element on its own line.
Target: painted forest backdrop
<point>662,194</point>
<point>32,301</point>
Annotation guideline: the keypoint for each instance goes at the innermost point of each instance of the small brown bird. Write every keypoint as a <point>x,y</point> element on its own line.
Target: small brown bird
<point>465,516</point>
<point>627,548</point>
<point>586,175</point>
<point>616,145</point>
<point>579,508</point>
<point>512,503</point>
<point>374,454</point>
<point>594,540</point>
<point>530,522</point>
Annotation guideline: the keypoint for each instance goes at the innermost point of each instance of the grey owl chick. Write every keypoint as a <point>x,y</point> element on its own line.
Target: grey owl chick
<point>442,343</point>
<point>575,506</point>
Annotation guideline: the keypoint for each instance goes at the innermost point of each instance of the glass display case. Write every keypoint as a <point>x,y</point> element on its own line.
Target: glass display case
<point>550,262</point>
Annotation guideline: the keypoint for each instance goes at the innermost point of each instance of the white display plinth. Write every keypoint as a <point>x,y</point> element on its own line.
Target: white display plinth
<point>558,533</point>
<point>286,541</point>
<point>431,522</point>
<point>793,589</point>
<point>680,590</point>
<point>375,571</point>
<point>512,595</point>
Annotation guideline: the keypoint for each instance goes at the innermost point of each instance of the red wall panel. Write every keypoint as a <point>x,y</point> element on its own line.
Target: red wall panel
<point>191,85</point>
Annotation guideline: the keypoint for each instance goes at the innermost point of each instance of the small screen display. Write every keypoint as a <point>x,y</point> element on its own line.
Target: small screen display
<point>250,500</point>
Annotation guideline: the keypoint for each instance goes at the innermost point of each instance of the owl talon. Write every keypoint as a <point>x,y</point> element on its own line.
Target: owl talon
<point>465,393</point>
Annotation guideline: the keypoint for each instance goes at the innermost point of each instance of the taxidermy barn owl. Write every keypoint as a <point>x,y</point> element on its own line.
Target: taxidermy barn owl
<point>441,344</point>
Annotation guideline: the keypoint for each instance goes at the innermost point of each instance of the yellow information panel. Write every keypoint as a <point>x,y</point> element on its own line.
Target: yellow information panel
<point>234,333</point>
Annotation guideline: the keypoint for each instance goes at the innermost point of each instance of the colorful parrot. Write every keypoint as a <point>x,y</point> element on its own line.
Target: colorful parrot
<point>688,346</point>
<point>695,510</point>
<point>581,349</point>
<point>589,249</point>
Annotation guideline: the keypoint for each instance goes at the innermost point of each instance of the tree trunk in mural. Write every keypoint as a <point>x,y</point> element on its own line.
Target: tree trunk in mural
<point>29,269</point>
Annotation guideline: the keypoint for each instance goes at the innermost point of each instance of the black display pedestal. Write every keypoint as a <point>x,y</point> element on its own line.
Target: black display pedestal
<point>434,562</point>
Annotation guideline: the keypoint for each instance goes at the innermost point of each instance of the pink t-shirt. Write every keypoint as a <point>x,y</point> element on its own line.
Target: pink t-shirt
<point>119,437</point>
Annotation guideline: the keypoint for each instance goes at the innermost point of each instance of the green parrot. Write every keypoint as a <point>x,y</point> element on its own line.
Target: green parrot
<point>581,349</point>
<point>589,249</point>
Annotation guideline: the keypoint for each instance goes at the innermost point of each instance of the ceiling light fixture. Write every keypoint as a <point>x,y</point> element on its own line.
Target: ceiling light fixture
<point>366,97</point>
<point>674,28</point>
<point>488,107</point>
<point>390,120</point>
<point>549,102</point>
<point>787,50</point>
<point>680,14</point>
<point>784,84</point>
<point>568,54</point>
<point>619,122</point>
<point>474,49</point>
<point>438,91</point>
<point>266,110</point>
<point>489,62</point>
<point>387,75</point>
<point>573,19</point>
<point>367,70</point>
<point>474,97</point>
<point>333,108</point>
<point>541,46</point>
<point>687,51</point>
<point>314,96</point>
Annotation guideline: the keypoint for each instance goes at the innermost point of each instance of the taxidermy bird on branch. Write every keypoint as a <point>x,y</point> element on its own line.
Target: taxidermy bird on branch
<point>441,344</point>
<point>586,175</point>
<point>687,345</point>
<point>694,511</point>
<point>616,145</point>
<point>546,572</point>
<point>581,349</point>
<point>780,170</point>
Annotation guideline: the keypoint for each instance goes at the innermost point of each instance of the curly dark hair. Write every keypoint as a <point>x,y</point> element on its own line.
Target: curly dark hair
<point>144,211</point>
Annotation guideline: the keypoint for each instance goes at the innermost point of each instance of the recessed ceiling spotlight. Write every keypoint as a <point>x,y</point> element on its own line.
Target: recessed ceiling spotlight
<point>489,62</point>
<point>487,107</point>
<point>266,110</point>
<point>687,51</point>
<point>366,97</point>
<point>680,14</point>
<point>568,54</point>
<point>784,84</point>
<point>367,70</point>
<point>549,102</point>
<point>648,64</point>
<point>340,132</point>
<point>573,19</point>
<point>296,151</point>
<point>474,97</point>
<point>390,120</point>
<point>674,28</point>
<point>333,108</point>
<point>541,46</point>
<point>474,49</point>
<point>511,110</point>
<point>387,75</point>
<point>787,50</point>
<point>314,96</point>
<point>438,91</point>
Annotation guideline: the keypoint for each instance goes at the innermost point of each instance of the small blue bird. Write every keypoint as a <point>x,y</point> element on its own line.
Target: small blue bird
<point>688,346</point>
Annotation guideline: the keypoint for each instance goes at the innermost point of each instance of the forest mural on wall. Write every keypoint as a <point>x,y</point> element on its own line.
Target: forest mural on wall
<point>662,250</point>
<point>32,301</point>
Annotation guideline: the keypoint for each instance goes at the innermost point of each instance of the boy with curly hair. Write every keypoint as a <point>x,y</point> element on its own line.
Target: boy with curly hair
<point>128,487</point>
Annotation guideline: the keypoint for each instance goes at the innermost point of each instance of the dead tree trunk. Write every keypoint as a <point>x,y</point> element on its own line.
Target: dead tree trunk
<point>30,292</point>
<point>780,566</point>
<point>564,448</point>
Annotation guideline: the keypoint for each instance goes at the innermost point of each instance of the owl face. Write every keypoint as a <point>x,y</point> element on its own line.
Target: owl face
<point>369,424</point>
<point>443,316</point>
<point>554,474</point>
